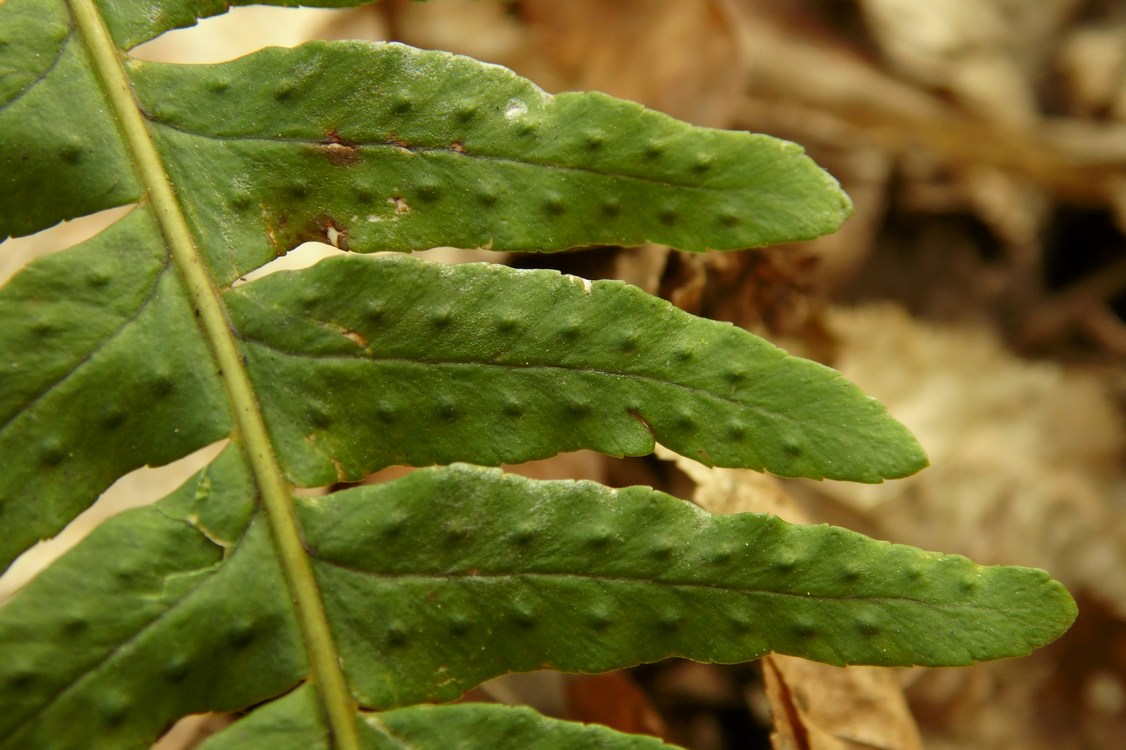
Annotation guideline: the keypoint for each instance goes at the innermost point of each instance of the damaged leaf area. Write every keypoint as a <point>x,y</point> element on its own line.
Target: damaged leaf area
<point>428,149</point>
<point>327,618</point>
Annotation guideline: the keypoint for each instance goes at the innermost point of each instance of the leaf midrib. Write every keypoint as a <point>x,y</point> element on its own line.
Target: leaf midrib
<point>651,581</point>
<point>693,390</point>
<point>395,146</point>
<point>326,673</point>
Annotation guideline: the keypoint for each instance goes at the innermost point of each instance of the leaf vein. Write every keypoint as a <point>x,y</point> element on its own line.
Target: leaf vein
<point>93,352</point>
<point>89,674</point>
<point>656,582</point>
<point>513,366</point>
<point>63,44</point>
<point>457,152</point>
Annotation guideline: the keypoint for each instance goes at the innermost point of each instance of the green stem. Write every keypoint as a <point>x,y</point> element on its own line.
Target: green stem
<point>338,704</point>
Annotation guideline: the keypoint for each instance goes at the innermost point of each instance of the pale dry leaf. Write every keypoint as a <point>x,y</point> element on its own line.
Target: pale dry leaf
<point>1092,58</point>
<point>865,172</point>
<point>363,22</point>
<point>543,690</point>
<point>642,266</point>
<point>736,490</point>
<point>17,252</point>
<point>191,731</point>
<point>1026,469</point>
<point>814,83</point>
<point>237,32</point>
<point>484,29</point>
<point>1015,209</point>
<point>683,58</point>
<point>986,52</point>
<point>573,465</point>
<point>787,60</point>
<point>820,707</point>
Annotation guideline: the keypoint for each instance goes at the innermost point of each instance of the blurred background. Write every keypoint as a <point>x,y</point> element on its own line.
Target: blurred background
<point>979,292</point>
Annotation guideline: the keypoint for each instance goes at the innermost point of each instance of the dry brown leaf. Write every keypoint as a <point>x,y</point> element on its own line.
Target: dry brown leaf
<point>484,29</point>
<point>769,289</point>
<point>820,707</point>
<point>642,266</point>
<point>986,52</point>
<point>613,700</point>
<point>683,58</point>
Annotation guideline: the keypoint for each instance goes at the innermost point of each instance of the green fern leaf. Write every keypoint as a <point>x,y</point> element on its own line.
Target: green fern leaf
<point>138,347</point>
<point>421,575</point>
<point>510,366</point>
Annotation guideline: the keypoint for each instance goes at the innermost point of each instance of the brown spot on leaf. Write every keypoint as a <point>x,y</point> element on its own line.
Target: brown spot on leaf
<point>357,337</point>
<point>287,232</point>
<point>341,474</point>
<point>341,152</point>
<point>401,206</point>
<point>275,230</point>
<point>457,147</point>
<point>636,414</point>
<point>399,143</point>
<point>334,233</point>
